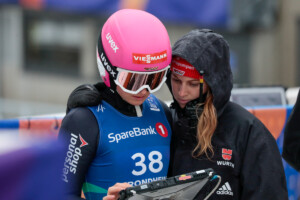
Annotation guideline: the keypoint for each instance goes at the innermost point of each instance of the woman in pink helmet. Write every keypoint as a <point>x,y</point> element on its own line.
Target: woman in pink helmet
<point>210,131</point>
<point>125,138</point>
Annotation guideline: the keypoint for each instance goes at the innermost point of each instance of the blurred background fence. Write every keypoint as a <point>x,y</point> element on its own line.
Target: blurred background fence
<point>47,47</point>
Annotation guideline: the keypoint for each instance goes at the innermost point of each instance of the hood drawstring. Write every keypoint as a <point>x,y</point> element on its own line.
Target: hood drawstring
<point>201,79</point>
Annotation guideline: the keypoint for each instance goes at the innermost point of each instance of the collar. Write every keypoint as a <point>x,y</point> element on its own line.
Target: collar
<point>114,99</point>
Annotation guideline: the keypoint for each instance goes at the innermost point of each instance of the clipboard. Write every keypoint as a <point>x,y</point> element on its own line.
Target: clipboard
<point>189,186</point>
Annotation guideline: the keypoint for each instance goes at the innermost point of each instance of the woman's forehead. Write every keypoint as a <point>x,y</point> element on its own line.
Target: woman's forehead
<point>184,78</point>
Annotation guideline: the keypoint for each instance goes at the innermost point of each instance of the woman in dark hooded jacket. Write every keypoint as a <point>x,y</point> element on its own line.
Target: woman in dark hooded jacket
<point>209,131</point>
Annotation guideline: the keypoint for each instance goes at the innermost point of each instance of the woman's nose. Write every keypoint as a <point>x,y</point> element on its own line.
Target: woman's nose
<point>143,92</point>
<point>182,90</point>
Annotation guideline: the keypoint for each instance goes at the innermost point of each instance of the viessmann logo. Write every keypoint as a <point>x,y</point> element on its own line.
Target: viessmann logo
<point>137,132</point>
<point>73,155</point>
<point>154,58</point>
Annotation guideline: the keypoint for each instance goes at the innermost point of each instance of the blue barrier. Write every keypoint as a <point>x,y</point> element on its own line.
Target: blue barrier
<point>274,118</point>
<point>9,124</point>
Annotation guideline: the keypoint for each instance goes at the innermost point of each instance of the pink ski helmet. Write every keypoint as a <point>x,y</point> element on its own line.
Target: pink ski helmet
<point>133,51</point>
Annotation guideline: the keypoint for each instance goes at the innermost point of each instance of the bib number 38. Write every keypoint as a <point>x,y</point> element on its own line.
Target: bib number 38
<point>154,166</point>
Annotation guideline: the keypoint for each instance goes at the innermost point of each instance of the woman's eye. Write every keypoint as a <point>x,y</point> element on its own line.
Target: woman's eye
<point>194,84</point>
<point>175,80</point>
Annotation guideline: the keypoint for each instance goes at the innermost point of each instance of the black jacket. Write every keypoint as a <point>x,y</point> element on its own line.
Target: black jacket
<point>246,155</point>
<point>291,142</point>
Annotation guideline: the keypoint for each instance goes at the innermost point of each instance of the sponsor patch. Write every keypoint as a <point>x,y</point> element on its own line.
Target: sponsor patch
<point>226,154</point>
<point>179,72</point>
<point>106,65</point>
<point>112,43</point>
<point>151,68</point>
<point>73,156</point>
<point>161,129</point>
<point>225,190</point>
<point>135,132</point>
<point>138,58</point>
<point>83,142</point>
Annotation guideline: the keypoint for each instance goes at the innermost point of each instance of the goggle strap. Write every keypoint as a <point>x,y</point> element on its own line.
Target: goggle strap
<point>112,70</point>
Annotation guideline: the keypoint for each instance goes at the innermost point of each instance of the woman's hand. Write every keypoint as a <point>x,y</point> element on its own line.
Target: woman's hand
<point>113,191</point>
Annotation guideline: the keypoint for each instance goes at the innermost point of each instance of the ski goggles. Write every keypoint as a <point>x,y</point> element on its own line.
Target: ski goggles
<point>134,82</point>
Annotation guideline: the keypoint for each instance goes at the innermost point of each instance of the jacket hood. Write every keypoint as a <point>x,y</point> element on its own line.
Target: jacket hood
<point>208,51</point>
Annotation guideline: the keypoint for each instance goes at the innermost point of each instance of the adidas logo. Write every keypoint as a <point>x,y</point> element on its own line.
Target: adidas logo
<point>225,190</point>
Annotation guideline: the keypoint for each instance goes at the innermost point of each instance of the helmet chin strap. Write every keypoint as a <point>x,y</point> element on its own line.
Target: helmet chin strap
<point>138,108</point>
<point>138,111</point>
